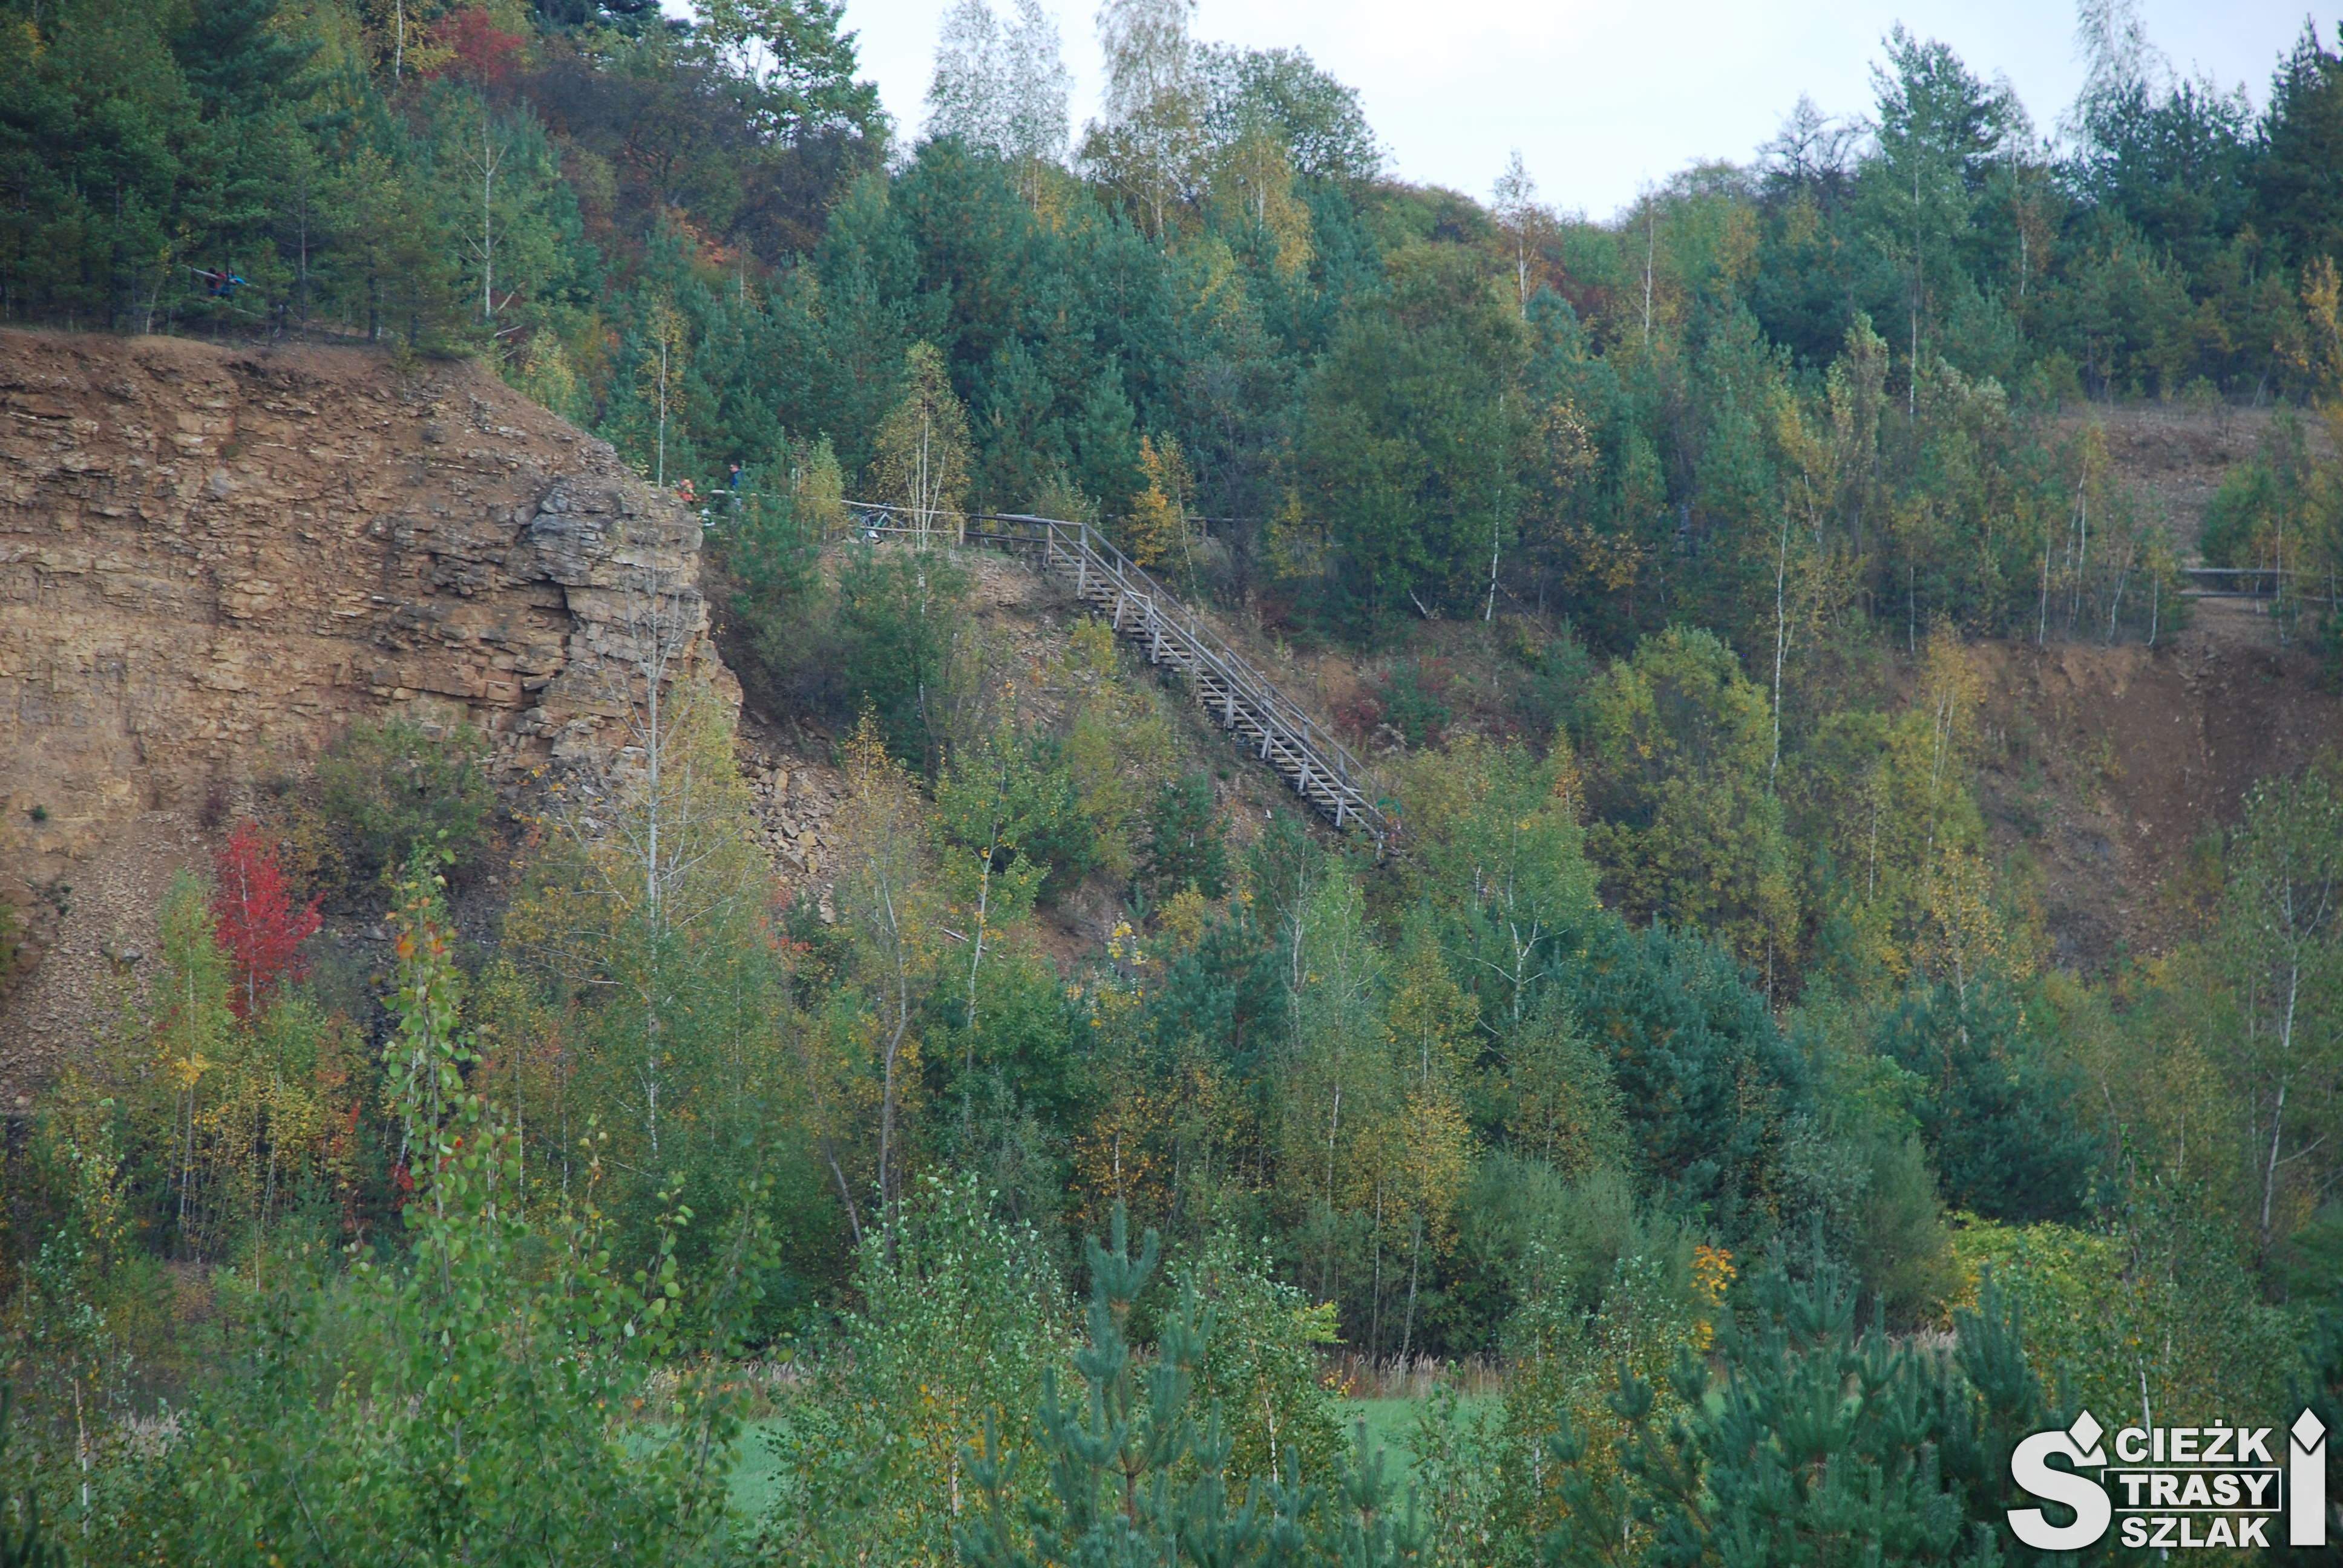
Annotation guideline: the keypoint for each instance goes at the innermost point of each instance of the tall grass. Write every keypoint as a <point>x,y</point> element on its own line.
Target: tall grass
<point>1356,1376</point>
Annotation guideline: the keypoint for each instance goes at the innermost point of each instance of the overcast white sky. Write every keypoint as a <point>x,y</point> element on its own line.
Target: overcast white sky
<point>1601,97</point>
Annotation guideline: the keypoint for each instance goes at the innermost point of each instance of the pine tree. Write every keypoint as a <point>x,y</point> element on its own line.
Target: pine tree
<point>1821,1445</point>
<point>795,65</point>
<point>1136,1479</point>
<point>1184,848</point>
<point>236,58</point>
<point>2299,197</point>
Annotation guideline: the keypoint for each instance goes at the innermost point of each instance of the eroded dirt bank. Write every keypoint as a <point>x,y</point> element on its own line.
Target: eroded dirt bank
<point>2110,768</point>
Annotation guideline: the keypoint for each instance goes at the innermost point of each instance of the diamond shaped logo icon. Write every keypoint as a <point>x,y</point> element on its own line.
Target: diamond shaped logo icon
<point>2086,1429</point>
<point>2306,1483</point>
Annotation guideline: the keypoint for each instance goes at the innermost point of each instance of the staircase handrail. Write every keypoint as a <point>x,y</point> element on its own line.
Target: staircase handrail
<point>1084,543</point>
<point>1227,663</point>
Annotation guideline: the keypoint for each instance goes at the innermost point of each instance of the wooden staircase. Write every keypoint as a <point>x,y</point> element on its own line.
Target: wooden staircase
<point>1257,717</point>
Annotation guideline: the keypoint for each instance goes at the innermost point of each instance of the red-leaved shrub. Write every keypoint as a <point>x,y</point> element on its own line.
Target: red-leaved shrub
<point>260,926</point>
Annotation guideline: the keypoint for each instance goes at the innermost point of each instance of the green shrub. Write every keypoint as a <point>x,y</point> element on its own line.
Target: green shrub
<point>390,785</point>
<point>20,1541</point>
<point>1558,676</point>
<point>769,549</point>
<point>1415,703</point>
<point>1260,1364</point>
<point>468,1396</point>
<point>904,647</point>
<point>2235,518</point>
<point>963,1327</point>
<point>1140,1455</point>
<point>1801,1438</point>
<point>1704,1077</point>
<point>768,537</point>
<point>1184,848</point>
<point>1997,1114</point>
<point>1009,799</point>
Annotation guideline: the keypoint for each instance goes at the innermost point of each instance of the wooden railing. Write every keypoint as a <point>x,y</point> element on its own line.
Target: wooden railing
<point>2233,582</point>
<point>1319,767</point>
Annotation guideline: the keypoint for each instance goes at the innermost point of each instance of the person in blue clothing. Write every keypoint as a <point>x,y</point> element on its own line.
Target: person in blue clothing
<point>221,282</point>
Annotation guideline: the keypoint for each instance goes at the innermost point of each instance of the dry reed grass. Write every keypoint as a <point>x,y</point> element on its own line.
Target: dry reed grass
<point>1356,1376</point>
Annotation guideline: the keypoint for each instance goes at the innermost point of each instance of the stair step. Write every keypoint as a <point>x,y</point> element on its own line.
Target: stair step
<point>1222,683</point>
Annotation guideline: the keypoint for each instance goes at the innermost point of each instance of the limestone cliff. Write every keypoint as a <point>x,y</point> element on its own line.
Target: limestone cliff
<point>212,558</point>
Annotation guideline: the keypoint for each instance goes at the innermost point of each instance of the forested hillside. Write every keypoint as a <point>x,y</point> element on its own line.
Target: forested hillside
<point>1754,602</point>
<point>710,246</point>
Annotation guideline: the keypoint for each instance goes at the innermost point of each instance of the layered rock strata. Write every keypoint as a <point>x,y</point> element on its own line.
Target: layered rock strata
<point>213,559</point>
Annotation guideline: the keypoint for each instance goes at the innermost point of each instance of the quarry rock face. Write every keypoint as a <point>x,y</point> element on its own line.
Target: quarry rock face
<point>212,559</point>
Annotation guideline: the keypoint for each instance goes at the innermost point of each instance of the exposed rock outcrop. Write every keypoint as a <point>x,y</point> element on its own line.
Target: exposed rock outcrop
<point>211,559</point>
